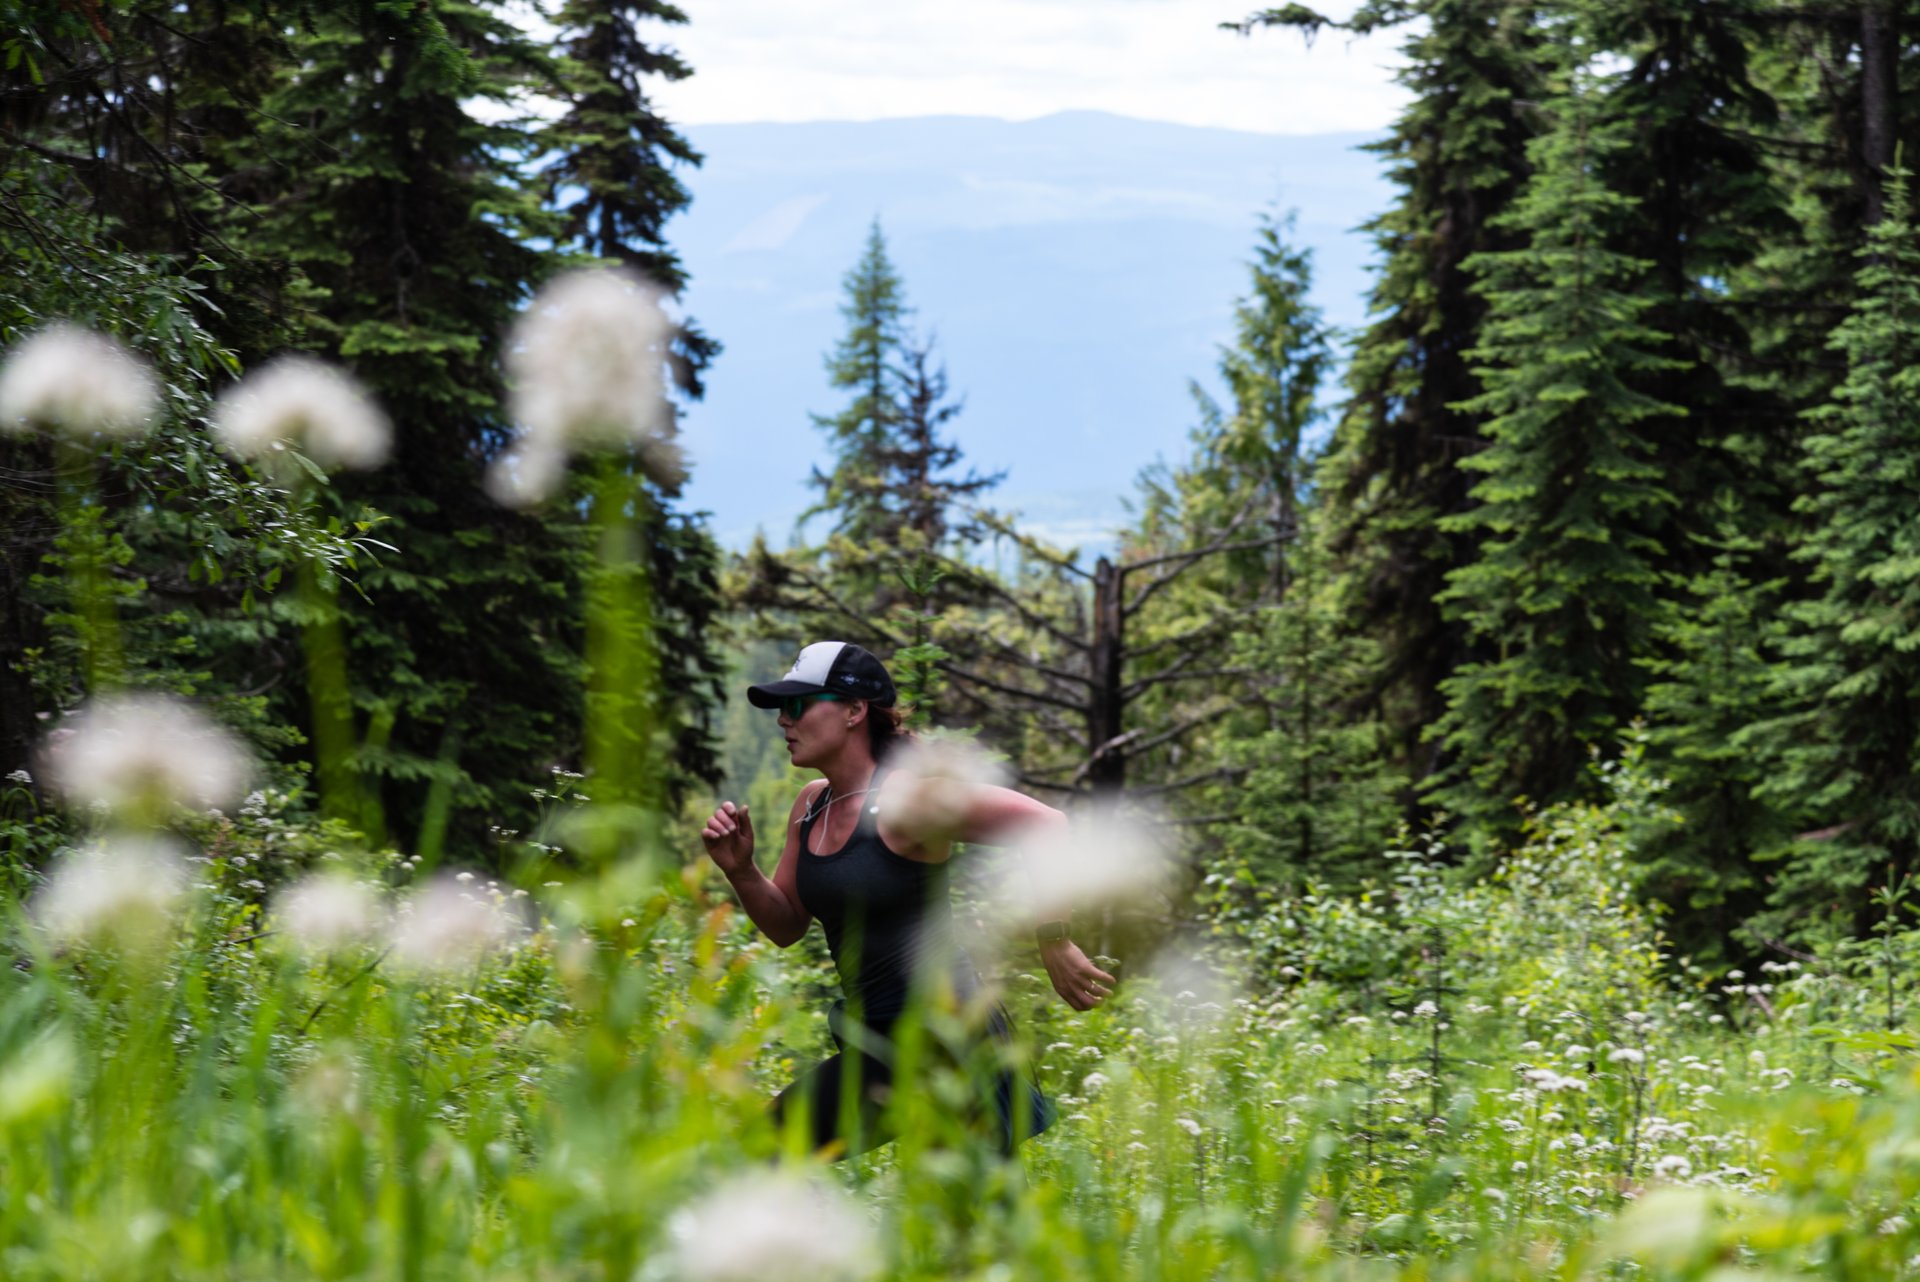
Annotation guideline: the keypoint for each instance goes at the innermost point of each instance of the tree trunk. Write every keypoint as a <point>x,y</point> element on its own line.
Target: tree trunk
<point>1107,772</point>
<point>1879,43</point>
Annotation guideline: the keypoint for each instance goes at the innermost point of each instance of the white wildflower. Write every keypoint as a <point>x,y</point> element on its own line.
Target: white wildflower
<point>304,403</point>
<point>1188,1125</point>
<point>325,914</point>
<point>132,752</point>
<point>1426,1010</point>
<point>78,381</point>
<point>1494,1195</point>
<point>1892,1226</point>
<point>124,890</point>
<point>19,776</point>
<point>444,927</point>
<point>1673,1167</point>
<point>1093,1083</point>
<point>933,786</point>
<point>763,1226</point>
<point>588,362</point>
<point>1626,1055</point>
<point>1577,1051</point>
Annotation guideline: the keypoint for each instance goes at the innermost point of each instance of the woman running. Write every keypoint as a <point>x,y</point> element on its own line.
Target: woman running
<point>869,868</point>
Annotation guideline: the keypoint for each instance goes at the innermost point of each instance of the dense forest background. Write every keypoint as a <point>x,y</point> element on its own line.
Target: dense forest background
<point>1623,462</point>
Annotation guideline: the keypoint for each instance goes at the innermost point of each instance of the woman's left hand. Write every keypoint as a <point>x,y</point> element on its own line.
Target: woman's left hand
<point>1082,984</point>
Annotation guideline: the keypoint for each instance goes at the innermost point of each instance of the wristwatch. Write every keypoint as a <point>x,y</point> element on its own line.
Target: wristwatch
<point>1049,931</point>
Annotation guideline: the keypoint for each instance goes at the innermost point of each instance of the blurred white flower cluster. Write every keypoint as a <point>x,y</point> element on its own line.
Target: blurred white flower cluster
<point>1103,857</point>
<point>121,890</point>
<point>133,761</point>
<point>763,1226</point>
<point>299,402</point>
<point>140,755</point>
<point>70,379</point>
<point>446,926</point>
<point>588,364</point>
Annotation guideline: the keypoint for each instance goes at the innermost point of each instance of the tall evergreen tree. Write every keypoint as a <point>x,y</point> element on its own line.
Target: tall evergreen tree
<point>892,493</point>
<point>1457,154</point>
<point>1846,750</point>
<point>610,172</point>
<point>1712,677</point>
<point>1572,502</point>
<point>612,155</point>
<point>409,216</point>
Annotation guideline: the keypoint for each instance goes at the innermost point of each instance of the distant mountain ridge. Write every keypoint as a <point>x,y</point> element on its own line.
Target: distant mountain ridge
<point>1078,270</point>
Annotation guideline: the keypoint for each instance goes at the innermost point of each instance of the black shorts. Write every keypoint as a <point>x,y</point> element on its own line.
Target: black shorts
<point>844,1098</point>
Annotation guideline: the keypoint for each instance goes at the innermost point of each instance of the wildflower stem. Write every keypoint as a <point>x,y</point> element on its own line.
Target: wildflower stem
<point>88,552</point>
<point>623,669</point>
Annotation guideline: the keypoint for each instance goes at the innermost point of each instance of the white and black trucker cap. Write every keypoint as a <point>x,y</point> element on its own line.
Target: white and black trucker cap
<point>829,667</point>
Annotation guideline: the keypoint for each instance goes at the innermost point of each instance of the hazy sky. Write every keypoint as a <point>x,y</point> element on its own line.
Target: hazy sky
<point>792,60</point>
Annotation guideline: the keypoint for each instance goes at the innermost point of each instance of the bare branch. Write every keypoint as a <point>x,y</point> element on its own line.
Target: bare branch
<point>1035,696</point>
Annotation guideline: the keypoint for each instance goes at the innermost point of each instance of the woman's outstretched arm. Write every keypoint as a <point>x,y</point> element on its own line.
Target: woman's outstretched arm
<point>991,815</point>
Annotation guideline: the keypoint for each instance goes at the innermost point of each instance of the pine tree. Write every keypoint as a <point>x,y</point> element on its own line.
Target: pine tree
<point>1572,503</point>
<point>867,361</point>
<point>610,172</point>
<point>612,154</point>
<point>899,508</point>
<point>412,223</point>
<point>1845,749</point>
<point>1705,206</point>
<point>1458,156</point>
<point>1712,683</point>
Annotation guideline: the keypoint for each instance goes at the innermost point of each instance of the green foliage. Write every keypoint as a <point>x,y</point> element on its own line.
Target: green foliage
<point>1845,741</point>
<point>186,548</point>
<point>1314,796</point>
<point>1457,158</point>
<point>1572,505</point>
<point>1711,684</point>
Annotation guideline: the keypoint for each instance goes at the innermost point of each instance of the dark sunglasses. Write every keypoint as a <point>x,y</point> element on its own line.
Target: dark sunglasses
<point>794,706</point>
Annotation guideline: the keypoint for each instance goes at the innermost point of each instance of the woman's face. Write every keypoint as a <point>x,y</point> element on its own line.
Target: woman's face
<point>819,731</point>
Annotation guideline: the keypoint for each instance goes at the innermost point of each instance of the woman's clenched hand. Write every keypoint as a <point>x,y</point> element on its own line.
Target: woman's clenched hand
<point>728,837</point>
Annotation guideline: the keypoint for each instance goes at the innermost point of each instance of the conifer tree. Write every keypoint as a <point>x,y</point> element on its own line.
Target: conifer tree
<point>892,493</point>
<point>1705,205</point>
<point>892,465</point>
<point>1712,675</point>
<point>612,155</point>
<point>410,219</point>
<point>1845,748</point>
<point>1457,154</point>
<point>1572,503</point>
<point>610,172</point>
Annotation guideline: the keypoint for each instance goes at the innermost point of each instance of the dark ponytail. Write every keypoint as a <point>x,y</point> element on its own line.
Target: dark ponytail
<point>886,731</point>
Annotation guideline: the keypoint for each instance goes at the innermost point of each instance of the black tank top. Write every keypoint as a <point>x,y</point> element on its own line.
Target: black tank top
<point>887,918</point>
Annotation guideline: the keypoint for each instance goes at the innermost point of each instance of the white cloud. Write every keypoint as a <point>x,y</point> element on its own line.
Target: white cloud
<point>794,60</point>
